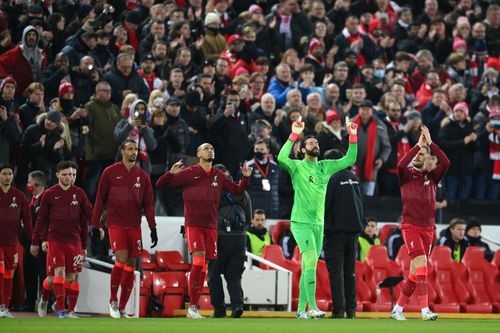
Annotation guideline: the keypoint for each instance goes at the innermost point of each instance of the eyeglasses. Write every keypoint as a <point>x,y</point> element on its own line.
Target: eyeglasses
<point>395,110</point>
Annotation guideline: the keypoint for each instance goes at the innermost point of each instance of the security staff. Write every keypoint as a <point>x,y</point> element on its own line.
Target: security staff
<point>234,215</point>
<point>343,222</point>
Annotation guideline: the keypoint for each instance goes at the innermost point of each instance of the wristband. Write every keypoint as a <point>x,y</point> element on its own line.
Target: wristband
<point>293,137</point>
<point>353,139</point>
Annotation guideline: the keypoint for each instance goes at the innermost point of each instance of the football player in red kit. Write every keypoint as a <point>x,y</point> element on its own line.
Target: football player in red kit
<point>62,226</point>
<point>418,226</point>
<point>126,190</point>
<point>202,186</point>
<point>14,209</point>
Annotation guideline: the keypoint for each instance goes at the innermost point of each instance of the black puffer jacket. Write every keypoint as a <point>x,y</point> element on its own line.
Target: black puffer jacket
<point>120,83</point>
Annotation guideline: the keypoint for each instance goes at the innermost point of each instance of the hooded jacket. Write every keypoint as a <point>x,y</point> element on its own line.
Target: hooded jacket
<point>24,63</point>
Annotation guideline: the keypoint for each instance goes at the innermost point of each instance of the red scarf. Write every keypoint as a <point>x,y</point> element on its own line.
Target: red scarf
<point>351,39</point>
<point>495,154</point>
<point>370,147</point>
<point>149,79</point>
<point>132,37</point>
<point>131,4</point>
<point>403,144</point>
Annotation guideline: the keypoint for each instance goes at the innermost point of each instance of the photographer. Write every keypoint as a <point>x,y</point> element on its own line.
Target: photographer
<point>234,215</point>
<point>84,78</point>
<point>136,128</point>
<point>227,132</point>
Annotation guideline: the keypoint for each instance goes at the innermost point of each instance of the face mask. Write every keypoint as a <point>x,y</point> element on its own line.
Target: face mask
<point>66,104</point>
<point>260,155</point>
<point>379,73</point>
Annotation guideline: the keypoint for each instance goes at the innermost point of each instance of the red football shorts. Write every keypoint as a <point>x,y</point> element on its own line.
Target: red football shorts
<point>202,239</point>
<point>128,239</point>
<point>418,239</point>
<point>67,255</point>
<point>8,254</point>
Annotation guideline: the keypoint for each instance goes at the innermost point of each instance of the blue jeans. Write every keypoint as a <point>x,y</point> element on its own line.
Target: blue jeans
<point>486,188</point>
<point>458,188</point>
<point>94,171</point>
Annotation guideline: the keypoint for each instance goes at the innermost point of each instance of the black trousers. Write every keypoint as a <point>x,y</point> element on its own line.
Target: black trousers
<point>340,257</point>
<point>34,274</point>
<point>230,263</point>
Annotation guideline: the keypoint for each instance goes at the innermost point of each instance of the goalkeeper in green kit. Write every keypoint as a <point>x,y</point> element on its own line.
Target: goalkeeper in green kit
<point>310,178</point>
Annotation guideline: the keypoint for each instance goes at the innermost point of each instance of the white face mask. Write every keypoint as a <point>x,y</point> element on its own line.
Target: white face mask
<point>379,73</point>
<point>157,101</point>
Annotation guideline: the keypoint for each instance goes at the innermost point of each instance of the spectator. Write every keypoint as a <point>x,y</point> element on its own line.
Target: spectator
<point>136,128</point>
<point>263,187</point>
<point>214,43</point>
<point>454,238</point>
<point>234,215</point>
<point>315,57</point>
<point>437,40</point>
<point>100,147</point>
<point>147,72</point>
<point>331,95</point>
<point>10,133</point>
<point>33,106</point>
<point>331,134</point>
<point>84,78</point>
<point>25,62</point>
<point>257,234</point>
<point>394,241</point>
<point>52,76</point>
<point>400,145</point>
<point>79,46</point>
<point>351,39</point>
<point>7,92</point>
<point>281,84</point>
<point>228,134</point>
<point>125,80</point>
<point>459,142</point>
<point>44,144</point>
<point>195,116</point>
<point>157,32</point>
<point>177,131</point>
<point>356,96</point>
<point>473,234</point>
<point>457,70</point>
<point>262,131</point>
<point>435,111</point>
<point>343,222</point>
<point>367,238</point>
<point>492,24</point>
<point>374,147</point>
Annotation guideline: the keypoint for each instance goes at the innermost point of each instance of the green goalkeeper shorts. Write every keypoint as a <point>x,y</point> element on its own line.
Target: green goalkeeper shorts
<point>308,236</point>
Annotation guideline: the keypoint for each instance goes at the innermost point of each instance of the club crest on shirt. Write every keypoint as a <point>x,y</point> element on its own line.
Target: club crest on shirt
<point>137,182</point>
<point>214,183</point>
<point>74,202</point>
<point>13,204</point>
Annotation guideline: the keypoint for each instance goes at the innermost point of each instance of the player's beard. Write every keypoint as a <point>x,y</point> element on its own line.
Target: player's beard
<point>313,152</point>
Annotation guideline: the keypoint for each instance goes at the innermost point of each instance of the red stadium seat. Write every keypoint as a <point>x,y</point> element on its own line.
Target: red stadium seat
<point>481,277</point>
<point>386,231</point>
<point>450,283</point>
<point>496,259</point>
<point>171,261</point>
<point>323,290</point>
<point>274,254</point>
<point>404,260</point>
<point>169,287</point>
<point>380,268</point>
<point>147,263</point>
<point>364,294</point>
<point>278,229</point>
<point>147,279</point>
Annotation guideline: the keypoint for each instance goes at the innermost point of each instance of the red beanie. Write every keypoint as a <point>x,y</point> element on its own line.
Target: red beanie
<point>314,44</point>
<point>331,116</point>
<point>8,79</point>
<point>462,106</point>
<point>65,87</point>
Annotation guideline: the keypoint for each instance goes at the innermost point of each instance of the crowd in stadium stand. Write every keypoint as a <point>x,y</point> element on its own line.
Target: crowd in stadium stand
<point>237,73</point>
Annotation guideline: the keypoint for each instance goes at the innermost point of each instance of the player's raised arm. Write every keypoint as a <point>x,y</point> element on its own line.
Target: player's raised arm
<point>284,156</point>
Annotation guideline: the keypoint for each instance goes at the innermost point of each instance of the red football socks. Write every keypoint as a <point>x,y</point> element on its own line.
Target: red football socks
<point>194,284</point>
<point>59,292</point>
<point>74,291</point>
<point>127,284</point>
<point>406,290</point>
<point>116,278</point>
<point>46,290</point>
<point>421,285</point>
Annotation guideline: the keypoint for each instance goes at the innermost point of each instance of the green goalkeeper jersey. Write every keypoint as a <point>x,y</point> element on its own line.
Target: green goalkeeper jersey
<point>310,180</point>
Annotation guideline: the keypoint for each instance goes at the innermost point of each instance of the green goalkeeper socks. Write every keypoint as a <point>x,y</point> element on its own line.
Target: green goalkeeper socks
<point>310,287</point>
<point>302,294</point>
